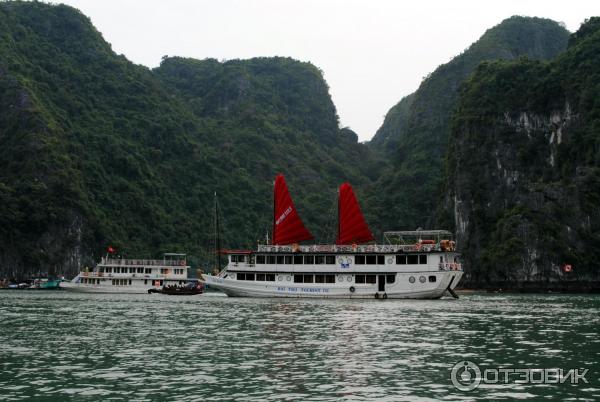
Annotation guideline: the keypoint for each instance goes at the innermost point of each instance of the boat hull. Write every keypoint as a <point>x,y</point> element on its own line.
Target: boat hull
<point>403,288</point>
<point>102,288</point>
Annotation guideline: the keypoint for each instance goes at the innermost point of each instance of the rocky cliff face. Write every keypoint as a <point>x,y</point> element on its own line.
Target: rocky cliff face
<point>524,173</point>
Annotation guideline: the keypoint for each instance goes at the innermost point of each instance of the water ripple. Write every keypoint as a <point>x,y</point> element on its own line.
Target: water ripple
<point>58,345</point>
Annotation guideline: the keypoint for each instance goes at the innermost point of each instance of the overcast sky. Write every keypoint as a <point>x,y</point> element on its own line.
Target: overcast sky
<point>372,52</point>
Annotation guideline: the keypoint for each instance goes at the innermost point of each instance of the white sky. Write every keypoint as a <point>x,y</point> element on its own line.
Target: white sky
<point>372,52</point>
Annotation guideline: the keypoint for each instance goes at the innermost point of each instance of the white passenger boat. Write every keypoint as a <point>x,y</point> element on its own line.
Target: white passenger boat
<point>118,275</point>
<point>411,264</point>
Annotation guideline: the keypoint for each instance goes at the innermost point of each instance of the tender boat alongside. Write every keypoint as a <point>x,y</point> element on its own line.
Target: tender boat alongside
<point>412,264</point>
<point>118,275</point>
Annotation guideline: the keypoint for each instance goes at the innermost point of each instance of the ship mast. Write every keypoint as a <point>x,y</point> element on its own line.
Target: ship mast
<point>217,235</point>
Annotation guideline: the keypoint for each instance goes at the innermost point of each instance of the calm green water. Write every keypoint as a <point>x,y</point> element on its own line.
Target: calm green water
<point>59,345</point>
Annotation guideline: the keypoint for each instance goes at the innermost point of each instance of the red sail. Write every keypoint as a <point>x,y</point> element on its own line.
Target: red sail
<point>352,227</point>
<point>287,225</point>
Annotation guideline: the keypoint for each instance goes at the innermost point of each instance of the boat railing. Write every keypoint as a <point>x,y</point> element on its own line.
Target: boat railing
<point>450,266</point>
<point>143,262</point>
<point>354,248</point>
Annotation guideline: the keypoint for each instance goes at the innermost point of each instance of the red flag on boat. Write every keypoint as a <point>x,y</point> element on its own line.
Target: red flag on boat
<point>110,250</point>
<point>352,227</point>
<point>287,225</point>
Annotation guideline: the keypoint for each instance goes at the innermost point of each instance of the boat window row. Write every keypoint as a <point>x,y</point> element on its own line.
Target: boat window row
<point>411,259</point>
<point>245,276</point>
<point>175,271</point>
<point>91,281</point>
<point>124,270</point>
<point>359,278</point>
<point>296,259</point>
<point>121,282</point>
<point>319,278</point>
<point>373,259</point>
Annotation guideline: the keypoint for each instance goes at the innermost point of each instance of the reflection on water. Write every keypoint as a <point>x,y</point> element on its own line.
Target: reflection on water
<point>149,347</point>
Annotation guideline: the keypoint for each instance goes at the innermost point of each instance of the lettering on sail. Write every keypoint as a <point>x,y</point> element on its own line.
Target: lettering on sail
<point>283,215</point>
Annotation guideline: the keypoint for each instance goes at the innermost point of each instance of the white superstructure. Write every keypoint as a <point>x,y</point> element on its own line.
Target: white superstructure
<point>118,275</point>
<point>416,264</point>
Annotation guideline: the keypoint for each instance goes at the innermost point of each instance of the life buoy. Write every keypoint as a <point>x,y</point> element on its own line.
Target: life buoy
<point>418,246</point>
<point>182,263</point>
<point>352,289</point>
<point>567,268</point>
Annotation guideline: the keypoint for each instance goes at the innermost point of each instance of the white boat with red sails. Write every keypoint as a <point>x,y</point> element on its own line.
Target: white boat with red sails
<point>421,264</point>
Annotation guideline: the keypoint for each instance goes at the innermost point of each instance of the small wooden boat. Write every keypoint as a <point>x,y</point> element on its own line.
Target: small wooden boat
<point>187,290</point>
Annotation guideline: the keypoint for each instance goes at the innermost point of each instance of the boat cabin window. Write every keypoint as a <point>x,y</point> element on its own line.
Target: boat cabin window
<point>319,278</point>
<point>329,278</point>
<point>371,260</point>
<point>270,277</point>
<point>401,259</point>
<point>260,259</point>
<point>270,259</point>
<point>308,279</point>
<point>359,259</point>
<point>238,258</point>
<point>319,259</point>
<point>108,269</point>
<point>422,258</point>
<point>289,259</point>
<point>132,270</point>
<point>140,270</point>
<point>148,270</point>
<point>280,259</point>
<point>390,278</point>
<point>298,279</point>
<point>241,276</point>
<point>381,260</point>
<point>432,278</point>
<point>117,270</point>
<point>330,259</point>
<point>359,278</point>
<point>309,259</point>
<point>298,259</point>
<point>260,277</point>
<point>412,259</point>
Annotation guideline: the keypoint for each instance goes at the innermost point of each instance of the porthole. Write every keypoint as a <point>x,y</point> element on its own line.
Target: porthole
<point>411,279</point>
<point>280,278</point>
<point>288,278</point>
<point>232,276</point>
<point>390,261</point>
<point>422,279</point>
<point>349,278</point>
<point>340,278</point>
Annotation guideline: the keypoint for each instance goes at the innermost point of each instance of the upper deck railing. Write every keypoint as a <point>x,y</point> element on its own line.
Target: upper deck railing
<point>142,262</point>
<point>333,248</point>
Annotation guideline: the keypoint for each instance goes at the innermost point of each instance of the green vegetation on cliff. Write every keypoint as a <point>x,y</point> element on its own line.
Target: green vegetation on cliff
<point>524,166</point>
<point>95,150</point>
